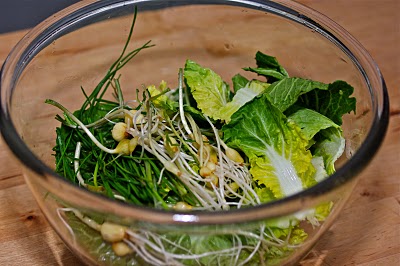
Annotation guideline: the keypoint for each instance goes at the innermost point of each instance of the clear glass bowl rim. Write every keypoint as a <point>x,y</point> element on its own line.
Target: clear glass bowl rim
<point>19,58</point>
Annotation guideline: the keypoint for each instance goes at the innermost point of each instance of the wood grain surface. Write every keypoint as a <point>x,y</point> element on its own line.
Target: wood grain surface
<point>366,233</point>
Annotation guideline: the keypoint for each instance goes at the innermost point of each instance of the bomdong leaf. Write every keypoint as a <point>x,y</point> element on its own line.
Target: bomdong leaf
<point>268,67</point>
<point>239,82</point>
<point>330,148</point>
<point>242,96</point>
<point>207,88</point>
<point>285,93</point>
<point>277,150</point>
<point>311,122</point>
<point>332,103</point>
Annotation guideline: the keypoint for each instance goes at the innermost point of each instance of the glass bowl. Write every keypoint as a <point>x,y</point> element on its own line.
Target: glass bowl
<point>76,46</point>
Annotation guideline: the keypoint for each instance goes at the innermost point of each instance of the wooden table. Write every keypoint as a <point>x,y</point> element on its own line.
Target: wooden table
<point>366,233</point>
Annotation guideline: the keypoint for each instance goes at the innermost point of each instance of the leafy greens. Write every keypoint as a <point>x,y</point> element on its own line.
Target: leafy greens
<point>206,147</point>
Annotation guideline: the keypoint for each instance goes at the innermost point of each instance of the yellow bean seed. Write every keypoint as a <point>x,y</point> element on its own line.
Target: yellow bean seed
<point>205,171</point>
<point>121,249</point>
<point>209,151</point>
<point>129,117</point>
<point>210,165</point>
<point>112,232</point>
<point>233,155</point>
<point>213,180</point>
<point>133,118</point>
<point>123,147</point>
<point>99,189</point>
<point>182,206</point>
<point>213,157</point>
<point>171,144</point>
<point>119,131</point>
<point>234,186</point>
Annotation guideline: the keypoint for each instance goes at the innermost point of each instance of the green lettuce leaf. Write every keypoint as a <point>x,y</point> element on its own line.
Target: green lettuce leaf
<point>264,193</point>
<point>328,144</point>
<point>311,122</point>
<point>277,150</point>
<point>161,99</point>
<point>320,171</point>
<point>277,254</point>
<point>211,95</point>
<point>242,96</point>
<point>284,93</point>
<point>297,236</point>
<point>239,82</point>
<point>323,210</point>
<point>207,88</point>
<point>268,67</point>
<point>330,148</point>
<point>332,103</point>
<point>211,247</point>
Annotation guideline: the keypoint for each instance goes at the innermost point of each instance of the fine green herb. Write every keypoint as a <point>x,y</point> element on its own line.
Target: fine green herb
<point>202,146</point>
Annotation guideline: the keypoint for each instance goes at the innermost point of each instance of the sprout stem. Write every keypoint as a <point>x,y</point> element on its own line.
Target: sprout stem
<point>76,164</point>
<point>83,127</point>
<point>182,113</point>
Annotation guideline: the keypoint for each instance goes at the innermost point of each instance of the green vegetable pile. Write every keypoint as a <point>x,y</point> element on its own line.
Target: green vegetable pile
<point>205,146</point>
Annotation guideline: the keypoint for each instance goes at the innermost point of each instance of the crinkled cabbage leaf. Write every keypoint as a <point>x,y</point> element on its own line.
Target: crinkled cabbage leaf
<point>207,88</point>
<point>280,161</point>
<point>211,92</point>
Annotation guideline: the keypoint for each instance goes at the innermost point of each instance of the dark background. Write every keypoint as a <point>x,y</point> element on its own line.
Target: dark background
<point>23,14</point>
